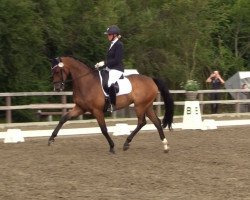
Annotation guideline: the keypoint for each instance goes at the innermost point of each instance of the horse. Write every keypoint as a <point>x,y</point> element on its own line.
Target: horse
<point>88,96</point>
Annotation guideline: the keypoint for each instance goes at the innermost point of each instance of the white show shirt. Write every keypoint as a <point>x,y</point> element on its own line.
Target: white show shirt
<point>113,42</point>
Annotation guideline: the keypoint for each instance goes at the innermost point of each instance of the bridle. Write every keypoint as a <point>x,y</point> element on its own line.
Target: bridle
<point>60,65</point>
<point>63,82</point>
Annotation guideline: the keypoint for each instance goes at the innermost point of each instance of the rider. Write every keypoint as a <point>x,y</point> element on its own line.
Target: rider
<point>113,62</point>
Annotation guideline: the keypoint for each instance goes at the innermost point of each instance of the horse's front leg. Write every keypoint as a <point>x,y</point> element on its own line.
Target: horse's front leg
<point>99,115</point>
<point>75,112</point>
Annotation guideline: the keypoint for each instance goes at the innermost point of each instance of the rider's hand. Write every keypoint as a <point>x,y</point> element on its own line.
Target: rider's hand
<point>99,64</point>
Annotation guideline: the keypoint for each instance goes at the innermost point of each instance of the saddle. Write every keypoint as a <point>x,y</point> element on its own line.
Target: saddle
<point>105,77</point>
<point>121,87</point>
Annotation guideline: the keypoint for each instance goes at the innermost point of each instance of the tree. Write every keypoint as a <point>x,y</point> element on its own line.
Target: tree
<point>240,30</point>
<point>22,61</point>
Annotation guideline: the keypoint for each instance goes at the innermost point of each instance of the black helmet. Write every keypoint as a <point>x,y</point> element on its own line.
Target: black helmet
<point>112,30</point>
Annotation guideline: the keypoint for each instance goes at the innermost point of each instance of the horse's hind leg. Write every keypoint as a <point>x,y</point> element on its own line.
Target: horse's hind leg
<point>156,121</point>
<point>75,112</point>
<point>141,122</point>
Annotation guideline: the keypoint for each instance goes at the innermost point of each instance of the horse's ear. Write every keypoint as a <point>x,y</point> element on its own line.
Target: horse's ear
<point>54,61</point>
<point>58,59</point>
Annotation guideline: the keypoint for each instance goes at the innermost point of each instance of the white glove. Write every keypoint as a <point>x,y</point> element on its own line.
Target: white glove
<point>100,64</point>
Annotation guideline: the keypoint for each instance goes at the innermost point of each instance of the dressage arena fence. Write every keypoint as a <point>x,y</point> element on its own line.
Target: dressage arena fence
<point>64,105</point>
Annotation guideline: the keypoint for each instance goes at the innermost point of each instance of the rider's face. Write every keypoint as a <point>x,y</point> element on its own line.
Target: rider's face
<point>111,37</point>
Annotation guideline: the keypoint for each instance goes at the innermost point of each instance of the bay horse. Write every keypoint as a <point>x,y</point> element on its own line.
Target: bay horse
<point>88,96</point>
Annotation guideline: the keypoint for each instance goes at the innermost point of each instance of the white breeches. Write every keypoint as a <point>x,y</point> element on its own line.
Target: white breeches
<point>114,76</point>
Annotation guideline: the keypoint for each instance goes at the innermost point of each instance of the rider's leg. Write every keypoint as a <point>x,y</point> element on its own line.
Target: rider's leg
<point>112,97</point>
<point>114,76</point>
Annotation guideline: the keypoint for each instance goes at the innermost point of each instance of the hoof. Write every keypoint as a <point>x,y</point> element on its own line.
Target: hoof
<point>112,151</point>
<point>166,150</point>
<point>125,147</point>
<point>51,142</point>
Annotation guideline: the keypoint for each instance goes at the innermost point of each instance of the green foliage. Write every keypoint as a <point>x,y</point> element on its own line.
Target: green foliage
<point>190,85</point>
<point>178,40</point>
<point>22,60</point>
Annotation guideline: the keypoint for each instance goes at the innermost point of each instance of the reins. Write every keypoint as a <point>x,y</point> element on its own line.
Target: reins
<point>71,80</point>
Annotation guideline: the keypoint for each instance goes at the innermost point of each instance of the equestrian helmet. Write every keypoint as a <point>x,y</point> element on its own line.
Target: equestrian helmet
<point>112,30</point>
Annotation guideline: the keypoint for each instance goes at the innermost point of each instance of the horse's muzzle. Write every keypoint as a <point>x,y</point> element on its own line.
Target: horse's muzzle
<point>58,87</point>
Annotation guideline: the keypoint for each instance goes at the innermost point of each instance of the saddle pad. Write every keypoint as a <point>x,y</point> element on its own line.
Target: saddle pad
<point>124,84</point>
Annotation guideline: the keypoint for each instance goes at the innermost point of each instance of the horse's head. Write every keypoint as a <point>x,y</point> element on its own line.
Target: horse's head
<point>59,74</point>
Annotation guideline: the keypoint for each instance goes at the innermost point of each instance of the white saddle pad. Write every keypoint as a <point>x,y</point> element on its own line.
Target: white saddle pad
<point>125,86</point>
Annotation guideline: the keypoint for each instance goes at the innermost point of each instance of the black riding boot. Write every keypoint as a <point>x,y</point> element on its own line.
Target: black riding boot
<point>112,98</point>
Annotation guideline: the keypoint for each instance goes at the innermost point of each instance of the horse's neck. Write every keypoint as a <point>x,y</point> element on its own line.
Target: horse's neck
<point>82,76</point>
<point>78,70</point>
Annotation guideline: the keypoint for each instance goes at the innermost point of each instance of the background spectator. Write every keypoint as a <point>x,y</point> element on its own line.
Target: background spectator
<point>216,83</point>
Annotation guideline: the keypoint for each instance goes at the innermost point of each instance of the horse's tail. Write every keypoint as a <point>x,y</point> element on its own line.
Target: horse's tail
<point>168,101</point>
